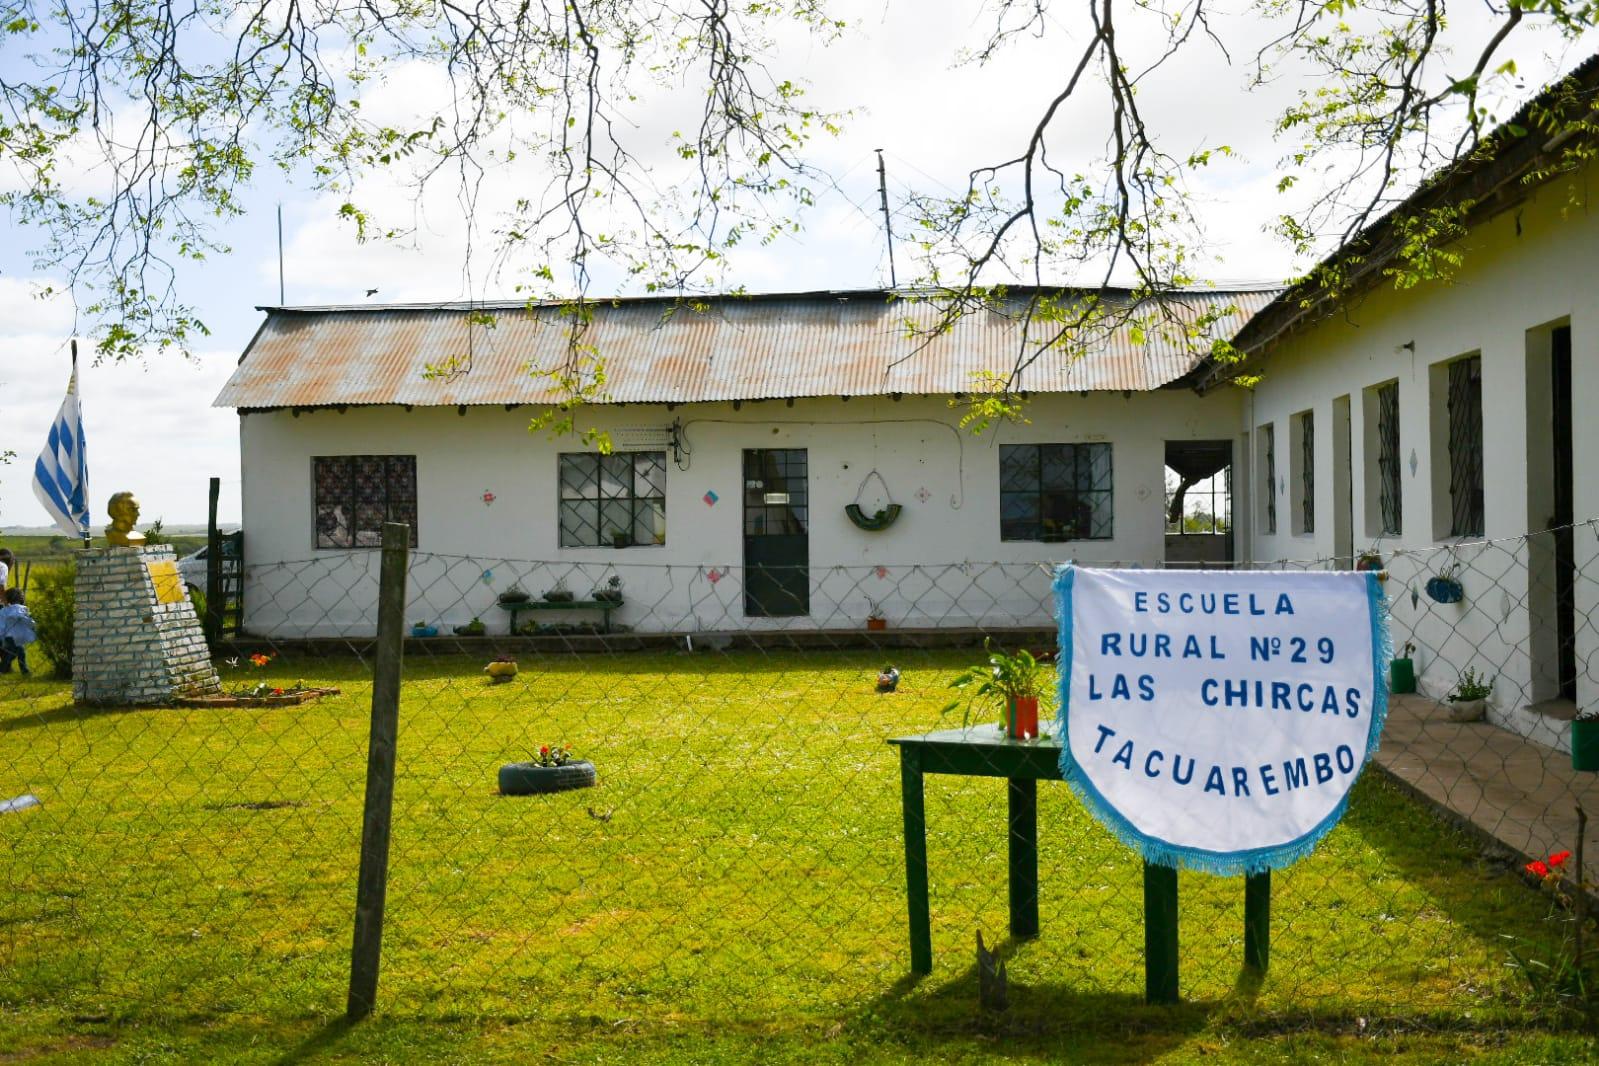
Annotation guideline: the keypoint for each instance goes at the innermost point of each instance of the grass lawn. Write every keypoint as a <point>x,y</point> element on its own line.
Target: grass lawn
<point>732,891</point>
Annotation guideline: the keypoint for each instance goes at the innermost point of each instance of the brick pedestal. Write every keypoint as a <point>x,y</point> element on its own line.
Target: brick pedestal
<point>136,637</point>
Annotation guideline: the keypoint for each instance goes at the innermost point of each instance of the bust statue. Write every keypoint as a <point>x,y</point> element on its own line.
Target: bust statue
<point>124,511</point>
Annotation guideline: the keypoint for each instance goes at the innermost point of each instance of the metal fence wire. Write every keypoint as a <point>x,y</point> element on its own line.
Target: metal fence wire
<point>740,856</point>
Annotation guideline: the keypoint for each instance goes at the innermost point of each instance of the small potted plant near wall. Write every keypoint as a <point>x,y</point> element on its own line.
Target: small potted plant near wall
<point>515,594</point>
<point>553,768</point>
<point>558,593</point>
<point>1014,681</point>
<point>1585,740</point>
<point>422,629</point>
<point>611,591</point>
<point>875,620</point>
<point>501,669</point>
<point>474,628</point>
<point>1468,700</point>
<point>1402,672</point>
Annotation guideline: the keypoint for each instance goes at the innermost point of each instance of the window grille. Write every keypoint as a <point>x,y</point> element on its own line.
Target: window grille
<point>353,495</point>
<point>1465,447</point>
<point>1270,443</point>
<point>1389,493</point>
<point>1055,492</point>
<point>613,501</point>
<point>1307,471</point>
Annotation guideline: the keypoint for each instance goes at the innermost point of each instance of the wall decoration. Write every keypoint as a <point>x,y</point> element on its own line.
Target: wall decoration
<point>710,498</point>
<point>882,571</point>
<point>879,520</point>
<point>488,497</point>
<point>922,495</point>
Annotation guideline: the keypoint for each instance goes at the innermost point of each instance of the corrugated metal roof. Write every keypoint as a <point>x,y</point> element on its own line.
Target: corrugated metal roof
<point>729,348</point>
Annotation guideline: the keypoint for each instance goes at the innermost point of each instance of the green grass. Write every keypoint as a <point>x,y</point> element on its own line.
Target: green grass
<point>52,551</point>
<point>731,891</point>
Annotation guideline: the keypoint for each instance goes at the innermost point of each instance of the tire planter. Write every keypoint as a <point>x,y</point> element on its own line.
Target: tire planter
<point>1467,710</point>
<point>560,596</point>
<point>531,779</point>
<point>1585,745</point>
<point>873,523</point>
<point>1445,590</point>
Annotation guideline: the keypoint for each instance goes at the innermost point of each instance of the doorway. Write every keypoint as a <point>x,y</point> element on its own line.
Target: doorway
<point>1564,513</point>
<point>1551,556</point>
<point>777,578</point>
<point>1199,503</point>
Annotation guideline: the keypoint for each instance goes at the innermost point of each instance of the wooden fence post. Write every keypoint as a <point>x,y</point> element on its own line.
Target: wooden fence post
<point>212,622</point>
<point>372,883</point>
<point>1257,921</point>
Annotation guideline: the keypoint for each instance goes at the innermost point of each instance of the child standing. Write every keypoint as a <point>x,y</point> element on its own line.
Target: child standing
<point>16,631</point>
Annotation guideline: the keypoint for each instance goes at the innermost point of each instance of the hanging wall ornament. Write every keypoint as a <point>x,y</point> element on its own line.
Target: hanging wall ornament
<point>882,519</point>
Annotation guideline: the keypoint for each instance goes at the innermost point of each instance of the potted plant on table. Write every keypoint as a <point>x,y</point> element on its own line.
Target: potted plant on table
<point>422,629</point>
<point>611,591</point>
<point>559,593</point>
<point>1468,700</point>
<point>515,594</point>
<point>474,628</point>
<point>1016,681</point>
<point>1585,740</point>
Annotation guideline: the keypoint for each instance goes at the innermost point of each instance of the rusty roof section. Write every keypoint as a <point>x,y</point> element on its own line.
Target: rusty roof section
<point>721,348</point>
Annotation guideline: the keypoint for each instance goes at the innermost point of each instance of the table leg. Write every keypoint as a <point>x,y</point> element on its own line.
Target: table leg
<point>1023,857</point>
<point>1160,934</point>
<point>910,781</point>
<point>1257,921</point>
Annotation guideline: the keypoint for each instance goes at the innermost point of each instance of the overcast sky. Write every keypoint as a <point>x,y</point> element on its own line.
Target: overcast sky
<point>151,428</point>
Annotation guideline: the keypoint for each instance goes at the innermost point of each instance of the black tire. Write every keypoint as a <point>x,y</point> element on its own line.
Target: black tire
<point>530,779</point>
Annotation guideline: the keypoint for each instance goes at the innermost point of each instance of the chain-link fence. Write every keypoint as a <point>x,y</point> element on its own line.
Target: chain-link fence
<point>740,858</point>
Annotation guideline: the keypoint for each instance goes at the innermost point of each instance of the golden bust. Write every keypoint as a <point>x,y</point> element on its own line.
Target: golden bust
<point>124,511</point>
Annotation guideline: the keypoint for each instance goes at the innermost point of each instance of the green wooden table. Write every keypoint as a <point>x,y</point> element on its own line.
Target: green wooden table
<point>605,607</point>
<point>985,751</point>
<point>977,751</point>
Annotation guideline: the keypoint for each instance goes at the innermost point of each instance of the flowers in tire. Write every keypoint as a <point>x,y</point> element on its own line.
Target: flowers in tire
<point>553,755</point>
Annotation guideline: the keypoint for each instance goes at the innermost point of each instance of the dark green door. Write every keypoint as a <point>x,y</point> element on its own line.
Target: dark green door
<point>777,547</point>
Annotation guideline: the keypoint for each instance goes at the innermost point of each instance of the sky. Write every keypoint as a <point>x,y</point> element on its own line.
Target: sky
<point>151,426</point>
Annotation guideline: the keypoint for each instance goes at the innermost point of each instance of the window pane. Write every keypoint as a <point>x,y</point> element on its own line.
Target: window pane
<point>1018,467</point>
<point>578,527</point>
<point>1057,466</point>
<point>1098,466</point>
<point>616,520</point>
<point>368,525</point>
<point>333,526</point>
<point>649,474</point>
<point>580,476</point>
<point>1390,495</point>
<point>1101,526</point>
<point>649,521</point>
<point>1018,516</point>
<point>616,476</point>
<point>1465,447</point>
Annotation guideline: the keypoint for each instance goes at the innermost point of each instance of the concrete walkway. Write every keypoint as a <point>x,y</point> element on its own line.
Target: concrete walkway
<point>1518,793</point>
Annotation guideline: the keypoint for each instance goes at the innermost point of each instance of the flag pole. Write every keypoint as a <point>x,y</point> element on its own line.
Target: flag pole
<point>88,540</point>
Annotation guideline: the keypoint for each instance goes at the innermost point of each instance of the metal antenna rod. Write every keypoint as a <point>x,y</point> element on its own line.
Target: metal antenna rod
<point>888,226</point>
<point>281,299</point>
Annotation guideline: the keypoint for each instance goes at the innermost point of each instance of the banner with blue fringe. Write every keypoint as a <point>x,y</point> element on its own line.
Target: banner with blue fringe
<point>1272,687</point>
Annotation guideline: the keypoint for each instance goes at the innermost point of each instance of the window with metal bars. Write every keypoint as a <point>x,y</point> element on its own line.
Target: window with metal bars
<point>1268,438</point>
<point>1055,492</point>
<point>353,495</point>
<point>613,501</point>
<point>1465,447</point>
<point>1306,421</point>
<point>1389,494</point>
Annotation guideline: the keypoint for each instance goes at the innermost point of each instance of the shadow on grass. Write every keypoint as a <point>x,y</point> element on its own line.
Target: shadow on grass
<point>1043,1020</point>
<point>69,712</point>
<point>325,1038</point>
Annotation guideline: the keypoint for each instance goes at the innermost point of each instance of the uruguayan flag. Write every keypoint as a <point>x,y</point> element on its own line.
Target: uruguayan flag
<point>61,473</point>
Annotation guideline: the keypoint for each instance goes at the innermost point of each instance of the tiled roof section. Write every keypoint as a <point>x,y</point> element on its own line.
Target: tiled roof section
<point>725,348</point>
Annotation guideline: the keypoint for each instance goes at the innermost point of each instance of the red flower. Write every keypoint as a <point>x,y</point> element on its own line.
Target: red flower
<point>545,750</point>
<point>1539,867</point>
<point>277,692</point>
<point>1559,858</point>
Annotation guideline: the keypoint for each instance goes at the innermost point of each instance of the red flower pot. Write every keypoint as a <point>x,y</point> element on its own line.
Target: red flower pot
<point>876,623</point>
<point>1022,719</point>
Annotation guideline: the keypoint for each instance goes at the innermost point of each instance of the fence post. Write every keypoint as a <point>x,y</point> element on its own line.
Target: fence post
<point>372,884</point>
<point>212,622</point>
<point>1257,921</point>
<point>1160,933</point>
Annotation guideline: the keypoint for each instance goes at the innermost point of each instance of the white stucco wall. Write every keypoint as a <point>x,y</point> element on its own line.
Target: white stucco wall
<point>1526,271</point>
<point>295,589</point>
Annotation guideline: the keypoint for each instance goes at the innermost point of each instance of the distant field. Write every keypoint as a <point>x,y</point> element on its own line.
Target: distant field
<point>51,551</point>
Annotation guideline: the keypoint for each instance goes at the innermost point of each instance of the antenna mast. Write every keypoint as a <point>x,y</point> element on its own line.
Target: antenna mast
<point>888,225</point>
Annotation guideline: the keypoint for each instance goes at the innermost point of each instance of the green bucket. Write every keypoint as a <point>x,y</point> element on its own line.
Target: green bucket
<point>1585,744</point>
<point>1402,676</point>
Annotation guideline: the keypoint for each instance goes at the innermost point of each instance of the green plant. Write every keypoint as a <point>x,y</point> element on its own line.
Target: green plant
<point>1002,677</point>
<point>52,602</point>
<point>1591,714</point>
<point>1471,686</point>
<point>155,535</point>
